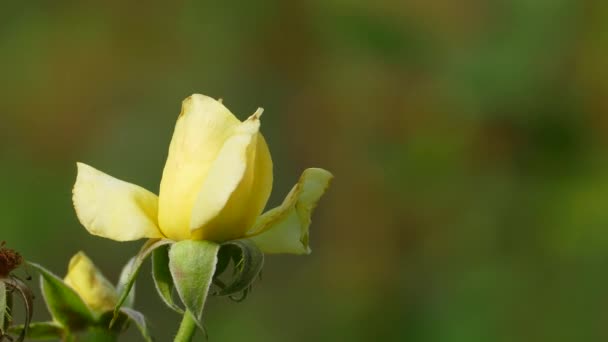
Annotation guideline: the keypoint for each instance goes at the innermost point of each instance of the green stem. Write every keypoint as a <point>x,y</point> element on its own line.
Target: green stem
<point>186,329</point>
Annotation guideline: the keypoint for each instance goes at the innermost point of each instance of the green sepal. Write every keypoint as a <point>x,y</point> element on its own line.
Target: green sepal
<point>122,322</point>
<point>163,279</point>
<point>15,284</point>
<point>64,304</point>
<point>140,321</point>
<point>8,318</point>
<point>134,267</point>
<point>93,334</point>
<point>41,331</point>
<point>127,270</point>
<point>3,308</point>
<point>248,262</point>
<point>192,265</point>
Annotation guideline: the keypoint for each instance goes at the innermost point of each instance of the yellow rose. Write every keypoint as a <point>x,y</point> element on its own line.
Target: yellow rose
<point>215,185</point>
<point>94,289</point>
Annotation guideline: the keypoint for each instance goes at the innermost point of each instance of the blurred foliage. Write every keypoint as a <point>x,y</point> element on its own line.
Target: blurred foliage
<point>468,140</point>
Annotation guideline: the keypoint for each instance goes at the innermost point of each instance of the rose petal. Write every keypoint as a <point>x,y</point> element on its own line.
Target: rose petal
<point>202,128</point>
<point>284,229</point>
<point>112,208</point>
<point>237,187</point>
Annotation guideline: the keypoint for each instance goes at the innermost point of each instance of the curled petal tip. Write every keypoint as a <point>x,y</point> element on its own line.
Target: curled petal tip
<point>257,114</point>
<point>285,229</point>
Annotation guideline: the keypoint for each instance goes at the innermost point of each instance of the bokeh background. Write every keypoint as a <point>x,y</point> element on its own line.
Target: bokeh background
<point>468,140</point>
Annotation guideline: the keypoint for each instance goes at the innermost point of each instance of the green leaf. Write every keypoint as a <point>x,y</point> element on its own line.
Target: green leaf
<point>129,279</point>
<point>123,280</point>
<point>41,331</point>
<point>162,277</point>
<point>248,262</point>
<point>192,265</point>
<point>140,321</point>
<point>64,304</point>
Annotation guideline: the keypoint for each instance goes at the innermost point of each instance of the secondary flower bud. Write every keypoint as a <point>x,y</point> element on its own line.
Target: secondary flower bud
<point>94,289</point>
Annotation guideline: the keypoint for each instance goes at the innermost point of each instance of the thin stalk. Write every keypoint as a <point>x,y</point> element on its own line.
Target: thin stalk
<point>187,328</point>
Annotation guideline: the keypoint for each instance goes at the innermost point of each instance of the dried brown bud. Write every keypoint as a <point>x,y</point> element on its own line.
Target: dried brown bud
<point>9,260</point>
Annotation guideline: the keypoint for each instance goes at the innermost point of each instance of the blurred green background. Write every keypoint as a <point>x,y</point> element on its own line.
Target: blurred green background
<point>468,140</point>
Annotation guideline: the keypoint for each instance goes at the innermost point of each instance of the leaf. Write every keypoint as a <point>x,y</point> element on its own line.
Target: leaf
<point>127,284</point>
<point>64,304</point>
<point>123,280</point>
<point>162,277</point>
<point>140,321</point>
<point>248,263</point>
<point>41,330</point>
<point>192,265</point>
